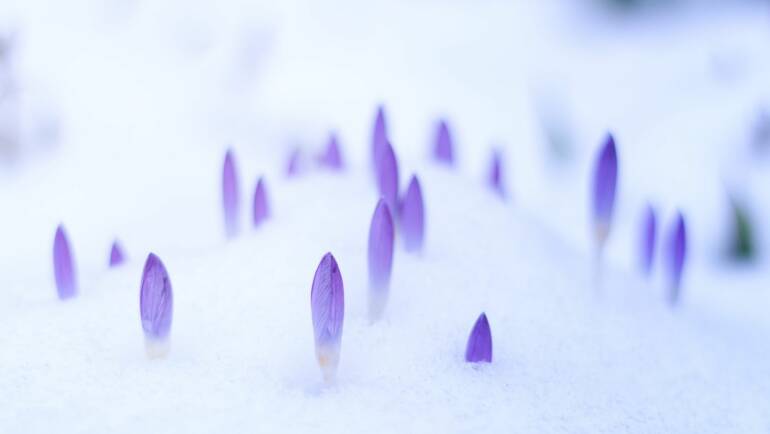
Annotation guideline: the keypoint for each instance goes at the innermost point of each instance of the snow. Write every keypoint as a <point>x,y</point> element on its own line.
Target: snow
<point>148,96</point>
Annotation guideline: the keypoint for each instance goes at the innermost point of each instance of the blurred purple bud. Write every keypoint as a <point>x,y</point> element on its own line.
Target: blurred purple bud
<point>116,254</point>
<point>261,207</point>
<point>677,254</point>
<point>156,303</point>
<point>331,157</point>
<point>648,234</point>
<point>387,176</point>
<point>442,150</point>
<point>327,306</point>
<point>63,265</point>
<point>412,216</point>
<point>479,347</point>
<point>496,175</point>
<point>380,259</point>
<point>605,181</point>
<point>230,194</point>
<point>379,134</point>
<point>293,166</point>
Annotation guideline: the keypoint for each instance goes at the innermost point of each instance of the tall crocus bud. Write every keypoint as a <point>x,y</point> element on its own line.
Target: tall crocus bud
<point>647,241</point>
<point>479,347</point>
<point>605,181</point>
<point>64,266</point>
<point>327,306</point>
<point>387,176</point>
<point>677,254</point>
<point>331,157</point>
<point>230,196</point>
<point>496,174</point>
<point>156,307</point>
<point>261,208</point>
<point>412,216</point>
<point>442,150</point>
<point>380,259</point>
<point>117,256</point>
<point>379,134</point>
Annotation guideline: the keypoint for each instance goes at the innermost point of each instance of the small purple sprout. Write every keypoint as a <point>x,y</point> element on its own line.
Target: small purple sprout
<point>156,303</point>
<point>677,254</point>
<point>63,265</point>
<point>479,347</point>
<point>443,149</point>
<point>647,241</point>
<point>412,216</point>
<point>380,259</point>
<point>230,197</point>
<point>332,158</point>
<point>496,174</point>
<point>605,181</point>
<point>327,306</point>
<point>293,166</point>
<point>379,134</point>
<point>261,208</point>
<point>117,257</point>
<point>387,176</point>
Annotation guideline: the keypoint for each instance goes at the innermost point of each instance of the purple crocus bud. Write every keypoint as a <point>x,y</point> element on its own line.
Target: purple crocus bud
<point>495,174</point>
<point>442,150</point>
<point>116,254</point>
<point>380,259</point>
<point>261,207</point>
<point>605,180</point>
<point>479,347</point>
<point>63,265</point>
<point>647,249</point>
<point>412,216</point>
<point>677,254</point>
<point>230,197</point>
<point>327,306</point>
<point>379,134</point>
<point>331,157</point>
<point>292,167</point>
<point>387,176</point>
<point>156,306</point>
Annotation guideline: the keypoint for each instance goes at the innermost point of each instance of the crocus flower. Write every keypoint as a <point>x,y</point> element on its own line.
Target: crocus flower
<point>261,208</point>
<point>331,157</point>
<point>156,306</point>
<point>412,216</point>
<point>387,176</point>
<point>479,347</point>
<point>230,197</point>
<point>292,167</point>
<point>380,259</point>
<point>327,306</point>
<point>117,256</point>
<point>442,150</point>
<point>648,233</point>
<point>605,180</point>
<point>379,134</point>
<point>677,254</point>
<point>496,174</point>
<point>63,265</point>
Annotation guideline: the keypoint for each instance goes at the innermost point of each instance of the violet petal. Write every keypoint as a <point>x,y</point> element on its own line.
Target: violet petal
<point>380,259</point>
<point>443,148</point>
<point>379,134</point>
<point>63,265</point>
<point>605,181</point>
<point>156,304</point>
<point>230,196</point>
<point>496,174</point>
<point>327,306</point>
<point>648,234</point>
<point>387,176</point>
<point>479,347</point>
<point>261,209</point>
<point>332,158</point>
<point>677,254</point>
<point>412,216</point>
<point>293,166</point>
<point>117,257</point>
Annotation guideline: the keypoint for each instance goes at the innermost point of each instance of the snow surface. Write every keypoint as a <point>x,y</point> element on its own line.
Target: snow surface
<point>148,95</point>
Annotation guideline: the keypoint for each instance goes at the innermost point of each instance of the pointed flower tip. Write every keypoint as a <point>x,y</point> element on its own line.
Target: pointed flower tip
<point>443,150</point>
<point>387,176</point>
<point>327,306</point>
<point>63,265</point>
<point>677,250</point>
<point>496,174</point>
<point>293,166</point>
<point>117,257</point>
<point>479,347</point>
<point>380,258</point>
<point>155,304</point>
<point>261,208</point>
<point>648,236</point>
<point>230,194</point>
<point>605,183</point>
<point>412,216</point>
<point>332,158</point>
